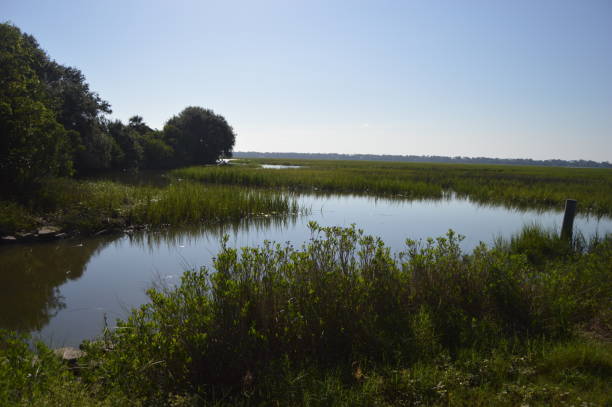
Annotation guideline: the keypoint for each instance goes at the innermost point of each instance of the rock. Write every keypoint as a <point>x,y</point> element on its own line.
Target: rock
<point>9,239</point>
<point>25,235</point>
<point>61,235</point>
<point>48,231</point>
<point>68,354</point>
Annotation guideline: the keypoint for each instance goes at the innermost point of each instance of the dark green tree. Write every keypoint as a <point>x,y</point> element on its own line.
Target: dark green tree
<point>130,154</point>
<point>32,142</point>
<point>81,110</point>
<point>199,136</point>
<point>76,107</point>
<point>137,123</point>
<point>157,153</point>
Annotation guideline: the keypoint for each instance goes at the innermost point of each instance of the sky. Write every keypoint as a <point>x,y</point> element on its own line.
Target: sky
<point>495,78</point>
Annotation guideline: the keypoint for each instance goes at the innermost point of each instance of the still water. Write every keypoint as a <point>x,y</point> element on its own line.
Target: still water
<point>63,291</point>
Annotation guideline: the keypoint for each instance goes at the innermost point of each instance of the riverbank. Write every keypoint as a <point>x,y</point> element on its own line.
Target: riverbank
<point>65,207</point>
<point>342,321</point>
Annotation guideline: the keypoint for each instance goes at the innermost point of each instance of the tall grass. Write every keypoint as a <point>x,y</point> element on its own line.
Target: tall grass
<point>90,206</point>
<point>343,319</point>
<point>513,186</point>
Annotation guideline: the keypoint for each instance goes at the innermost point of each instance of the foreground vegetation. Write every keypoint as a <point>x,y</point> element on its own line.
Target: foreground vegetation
<point>513,186</point>
<point>341,321</point>
<point>94,206</point>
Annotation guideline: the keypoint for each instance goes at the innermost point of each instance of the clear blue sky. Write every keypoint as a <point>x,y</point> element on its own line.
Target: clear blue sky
<point>499,78</point>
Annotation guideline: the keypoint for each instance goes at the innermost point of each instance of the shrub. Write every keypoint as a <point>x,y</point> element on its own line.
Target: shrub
<point>342,298</point>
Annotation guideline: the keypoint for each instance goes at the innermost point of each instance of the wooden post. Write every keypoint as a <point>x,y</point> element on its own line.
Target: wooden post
<point>568,219</point>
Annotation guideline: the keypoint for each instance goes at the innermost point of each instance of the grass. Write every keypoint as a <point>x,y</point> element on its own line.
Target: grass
<point>342,321</point>
<point>92,206</point>
<point>513,186</point>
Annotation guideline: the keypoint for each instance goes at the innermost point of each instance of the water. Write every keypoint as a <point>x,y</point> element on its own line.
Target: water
<point>63,290</point>
<point>279,166</point>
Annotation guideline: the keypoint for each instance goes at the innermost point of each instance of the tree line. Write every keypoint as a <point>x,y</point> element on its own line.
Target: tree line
<point>426,159</point>
<point>53,124</point>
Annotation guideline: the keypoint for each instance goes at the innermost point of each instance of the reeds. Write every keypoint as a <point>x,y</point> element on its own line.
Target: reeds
<point>513,186</point>
<point>91,206</point>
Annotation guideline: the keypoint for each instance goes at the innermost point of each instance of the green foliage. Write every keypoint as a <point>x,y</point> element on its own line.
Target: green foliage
<point>199,136</point>
<point>51,123</point>
<point>511,186</point>
<point>278,320</point>
<point>539,245</point>
<point>14,217</point>
<point>79,110</point>
<point>130,153</point>
<point>340,321</point>
<point>158,154</point>
<point>39,378</point>
<point>32,143</point>
<point>91,206</point>
<point>50,110</point>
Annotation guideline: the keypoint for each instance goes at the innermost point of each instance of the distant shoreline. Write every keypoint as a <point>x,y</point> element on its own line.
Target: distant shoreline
<point>426,159</point>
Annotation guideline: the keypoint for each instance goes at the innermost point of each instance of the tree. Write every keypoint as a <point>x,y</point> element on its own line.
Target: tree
<point>199,136</point>
<point>63,98</point>
<point>32,143</point>
<point>157,154</point>
<point>137,123</point>
<point>76,107</point>
<point>81,110</point>
<point>130,154</point>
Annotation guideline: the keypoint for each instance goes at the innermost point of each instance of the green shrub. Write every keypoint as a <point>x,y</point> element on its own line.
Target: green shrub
<point>39,378</point>
<point>344,302</point>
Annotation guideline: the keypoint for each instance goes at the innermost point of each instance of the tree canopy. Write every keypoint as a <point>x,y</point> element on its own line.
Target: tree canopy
<point>32,142</point>
<point>52,124</point>
<point>199,136</point>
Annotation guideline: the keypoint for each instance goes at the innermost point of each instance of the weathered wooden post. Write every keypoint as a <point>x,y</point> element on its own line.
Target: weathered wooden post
<point>568,219</point>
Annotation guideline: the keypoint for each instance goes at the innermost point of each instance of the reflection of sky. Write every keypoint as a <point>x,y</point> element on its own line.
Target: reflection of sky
<point>118,275</point>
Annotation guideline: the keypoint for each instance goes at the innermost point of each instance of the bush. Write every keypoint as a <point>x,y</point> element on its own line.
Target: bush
<point>339,299</point>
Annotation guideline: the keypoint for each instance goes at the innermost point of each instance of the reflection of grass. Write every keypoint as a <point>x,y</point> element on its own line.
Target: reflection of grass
<point>517,186</point>
<point>341,321</point>
<point>214,232</point>
<point>94,205</point>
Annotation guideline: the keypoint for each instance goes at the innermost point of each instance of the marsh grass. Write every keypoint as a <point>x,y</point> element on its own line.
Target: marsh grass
<point>342,321</point>
<point>512,186</point>
<point>14,217</point>
<point>90,206</point>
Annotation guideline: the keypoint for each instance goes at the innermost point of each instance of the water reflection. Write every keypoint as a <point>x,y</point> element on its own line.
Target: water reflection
<point>31,274</point>
<point>64,289</point>
<point>213,233</point>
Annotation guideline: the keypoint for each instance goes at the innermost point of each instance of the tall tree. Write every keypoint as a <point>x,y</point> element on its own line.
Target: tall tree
<point>80,109</point>
<point>32,142</point>
<point>130,154</point>
<point>76,107</point>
